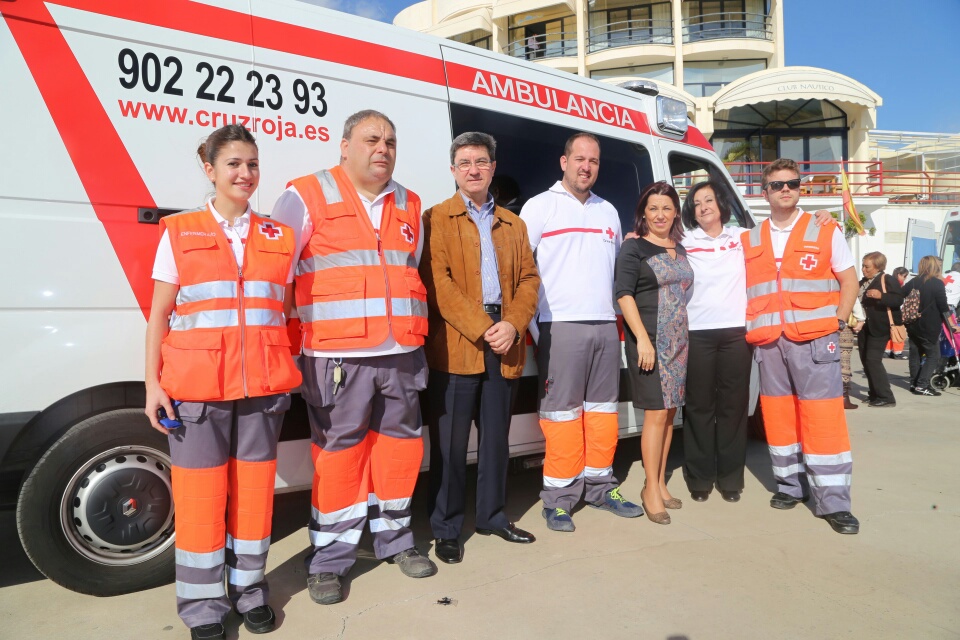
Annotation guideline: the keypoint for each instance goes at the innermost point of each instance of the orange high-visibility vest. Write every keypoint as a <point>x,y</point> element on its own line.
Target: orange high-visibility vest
<point>800,299</point>
<point>228,337</point>
<point>355,285</point>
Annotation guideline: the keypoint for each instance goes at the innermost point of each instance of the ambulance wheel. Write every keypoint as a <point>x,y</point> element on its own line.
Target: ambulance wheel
<point>95,514</point>
<point>939,382</point>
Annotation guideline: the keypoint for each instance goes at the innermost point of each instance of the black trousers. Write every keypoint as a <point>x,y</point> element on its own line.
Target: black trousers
<point>871,350</point>
<point>924,357</point>
<point>453,403</point>
<point>715,415</point>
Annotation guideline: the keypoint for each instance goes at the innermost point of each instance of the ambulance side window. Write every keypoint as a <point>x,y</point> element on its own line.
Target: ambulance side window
<point>687,171</point>
<point>529,151</point>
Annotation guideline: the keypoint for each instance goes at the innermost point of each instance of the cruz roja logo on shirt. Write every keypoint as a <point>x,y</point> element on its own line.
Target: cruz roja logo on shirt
<point>608,235</point>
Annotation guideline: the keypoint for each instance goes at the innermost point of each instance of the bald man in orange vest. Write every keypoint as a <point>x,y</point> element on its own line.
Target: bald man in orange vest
<point>801,286</point>
<point>363,314</point>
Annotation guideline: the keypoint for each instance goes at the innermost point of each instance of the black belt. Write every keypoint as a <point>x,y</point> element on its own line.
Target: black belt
<point>491,308</point>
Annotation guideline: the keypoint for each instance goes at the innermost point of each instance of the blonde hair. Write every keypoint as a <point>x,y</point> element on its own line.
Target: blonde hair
<point>929,267</point>
<point>877,259</point>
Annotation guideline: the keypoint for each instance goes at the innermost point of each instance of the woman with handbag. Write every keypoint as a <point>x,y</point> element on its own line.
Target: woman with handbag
<point>929,311</point>
<point>881,297</point>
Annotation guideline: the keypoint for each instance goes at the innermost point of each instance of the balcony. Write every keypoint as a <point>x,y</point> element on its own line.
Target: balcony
<point>629,33</point>
<point>556,44</point>
<point>713,26</point>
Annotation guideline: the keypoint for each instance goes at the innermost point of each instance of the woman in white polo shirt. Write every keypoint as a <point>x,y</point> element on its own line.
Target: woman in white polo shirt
<point>718,372</point>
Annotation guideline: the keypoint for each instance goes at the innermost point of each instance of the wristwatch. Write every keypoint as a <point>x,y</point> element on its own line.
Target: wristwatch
<point>841,324</point>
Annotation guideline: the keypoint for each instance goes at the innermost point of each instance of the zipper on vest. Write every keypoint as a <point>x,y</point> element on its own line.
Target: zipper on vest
<point>243,333</point>
<point>386,281</point>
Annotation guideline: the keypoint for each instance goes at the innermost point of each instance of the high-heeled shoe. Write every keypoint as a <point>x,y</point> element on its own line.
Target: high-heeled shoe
<point>673,503</point>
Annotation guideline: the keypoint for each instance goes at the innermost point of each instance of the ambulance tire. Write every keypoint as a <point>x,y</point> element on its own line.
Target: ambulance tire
<point>95,515</point>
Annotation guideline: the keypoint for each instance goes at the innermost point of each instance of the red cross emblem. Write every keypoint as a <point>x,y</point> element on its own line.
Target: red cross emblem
<point>268,229</point>
<point>948,280</point>
<point>808,262</point>
<point>406,232</point>
<point>733,245</point>
<point>831,347</point>
<point>610,233</point>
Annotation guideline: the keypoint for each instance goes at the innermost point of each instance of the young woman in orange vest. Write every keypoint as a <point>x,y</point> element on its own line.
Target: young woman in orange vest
<point>219,374</point>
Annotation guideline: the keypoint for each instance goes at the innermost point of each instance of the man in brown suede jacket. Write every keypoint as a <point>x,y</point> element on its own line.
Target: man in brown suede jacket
<point>482,287</point>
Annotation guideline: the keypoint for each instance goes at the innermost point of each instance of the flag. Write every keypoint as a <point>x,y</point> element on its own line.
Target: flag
<point>848,206</point>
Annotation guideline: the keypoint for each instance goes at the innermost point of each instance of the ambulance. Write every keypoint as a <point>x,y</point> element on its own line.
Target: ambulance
<point>104,104</point>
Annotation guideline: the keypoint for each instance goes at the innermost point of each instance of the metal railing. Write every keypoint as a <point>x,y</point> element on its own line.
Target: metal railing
<point>710,26</point>
<point>629,33</point>
<point>866,178</point>
<point>550,45</point>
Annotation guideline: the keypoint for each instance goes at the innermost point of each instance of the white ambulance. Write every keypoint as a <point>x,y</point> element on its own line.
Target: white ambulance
<point>104,103</point>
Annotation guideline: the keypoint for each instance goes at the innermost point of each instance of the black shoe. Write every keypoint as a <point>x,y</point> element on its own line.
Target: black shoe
<point>925,391</point>
<point>843,522</point>
<point>900,356</point>
<point>781,500</point>
<point>510,533</point>
<point>448,550</point>
<point>260,619</point>
<point>699,496</point>
<point>213,631</point>
<point>730,496</point>
<point>324,588</point>
<point>883,403</point>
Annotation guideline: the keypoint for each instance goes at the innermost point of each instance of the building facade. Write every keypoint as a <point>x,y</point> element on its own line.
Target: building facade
<point>723,58</point>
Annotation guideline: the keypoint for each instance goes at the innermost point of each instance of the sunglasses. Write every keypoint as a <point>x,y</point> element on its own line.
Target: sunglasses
<point>777,185</point>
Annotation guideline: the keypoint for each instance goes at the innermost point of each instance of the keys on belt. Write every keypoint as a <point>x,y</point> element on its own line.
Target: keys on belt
<point>492,308</point>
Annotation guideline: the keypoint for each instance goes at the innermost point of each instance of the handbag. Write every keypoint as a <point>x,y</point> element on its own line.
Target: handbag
<point>910,311</point>
<point>898,332</point>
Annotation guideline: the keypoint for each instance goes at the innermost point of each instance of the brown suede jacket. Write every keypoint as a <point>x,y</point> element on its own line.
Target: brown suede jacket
<point>450,269</point>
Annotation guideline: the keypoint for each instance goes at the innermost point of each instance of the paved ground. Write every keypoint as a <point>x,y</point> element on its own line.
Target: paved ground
<point>719,571</point>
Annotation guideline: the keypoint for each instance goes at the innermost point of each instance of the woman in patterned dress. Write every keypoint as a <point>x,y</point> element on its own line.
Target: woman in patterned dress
<point>652,276</point>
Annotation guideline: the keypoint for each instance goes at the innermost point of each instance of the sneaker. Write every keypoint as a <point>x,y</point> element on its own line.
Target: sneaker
<point>260,619</point>
<point>900,356</point>
<point>925,391</point>
<point>324,588</point>
<point>213,631</point>
<point>843,522</point>
<point>617,505</point>
<point>414,565</point>
<point>558,520</point>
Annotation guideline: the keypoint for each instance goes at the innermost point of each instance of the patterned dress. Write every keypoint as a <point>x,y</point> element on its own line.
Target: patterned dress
<point>658,284</point>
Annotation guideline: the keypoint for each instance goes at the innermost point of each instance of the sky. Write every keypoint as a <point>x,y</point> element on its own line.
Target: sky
<point>907,51</point>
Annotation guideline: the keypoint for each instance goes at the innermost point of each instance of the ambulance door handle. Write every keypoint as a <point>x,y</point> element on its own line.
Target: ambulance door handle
<point>152,215</point>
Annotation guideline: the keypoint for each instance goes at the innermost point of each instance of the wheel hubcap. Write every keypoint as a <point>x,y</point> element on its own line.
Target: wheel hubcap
<point>118,507</point>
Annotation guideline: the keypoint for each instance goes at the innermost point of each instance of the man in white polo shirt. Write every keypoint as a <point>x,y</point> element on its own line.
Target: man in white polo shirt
<point>576,236</point>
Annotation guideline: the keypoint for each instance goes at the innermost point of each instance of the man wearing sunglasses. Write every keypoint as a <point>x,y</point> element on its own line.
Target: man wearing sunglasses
<point>801,286</point>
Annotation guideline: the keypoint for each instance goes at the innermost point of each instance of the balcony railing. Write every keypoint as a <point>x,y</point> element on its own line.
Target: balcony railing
<point>866,178</point>
<point>629,33</point>
<point>556,44</point>
<point>711,26</point>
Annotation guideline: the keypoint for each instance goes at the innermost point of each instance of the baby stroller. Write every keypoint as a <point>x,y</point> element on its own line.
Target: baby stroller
<point>948,371</point>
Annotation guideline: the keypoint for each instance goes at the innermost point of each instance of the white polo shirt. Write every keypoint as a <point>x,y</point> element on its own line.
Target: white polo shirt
<point>165,267</point>
<point>718,297</point>
<point>840,260</point>
<point>292,211</point>
<point>951,281</point>
<point>576,249</point>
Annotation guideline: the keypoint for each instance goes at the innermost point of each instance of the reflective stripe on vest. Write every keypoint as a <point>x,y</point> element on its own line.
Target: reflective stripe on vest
<point>361,308</point>
<point>359,258</point>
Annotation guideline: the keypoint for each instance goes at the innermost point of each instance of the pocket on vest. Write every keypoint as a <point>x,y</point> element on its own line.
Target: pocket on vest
<point>418,305</point>
<point>280,372</point>
<point>193,364</point>
<point>339,302</point>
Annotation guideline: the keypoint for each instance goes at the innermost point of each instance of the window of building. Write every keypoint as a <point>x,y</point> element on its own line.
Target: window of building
<point>710,19</point>
<point>618,23</point>
<point>552,38</point>
<point>702,79</point>
<point>660,73</point>
<point>476,38</point>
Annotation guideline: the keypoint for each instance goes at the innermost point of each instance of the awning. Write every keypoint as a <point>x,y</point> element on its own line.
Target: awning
<point>794,83</point>
<point>476,20</point>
